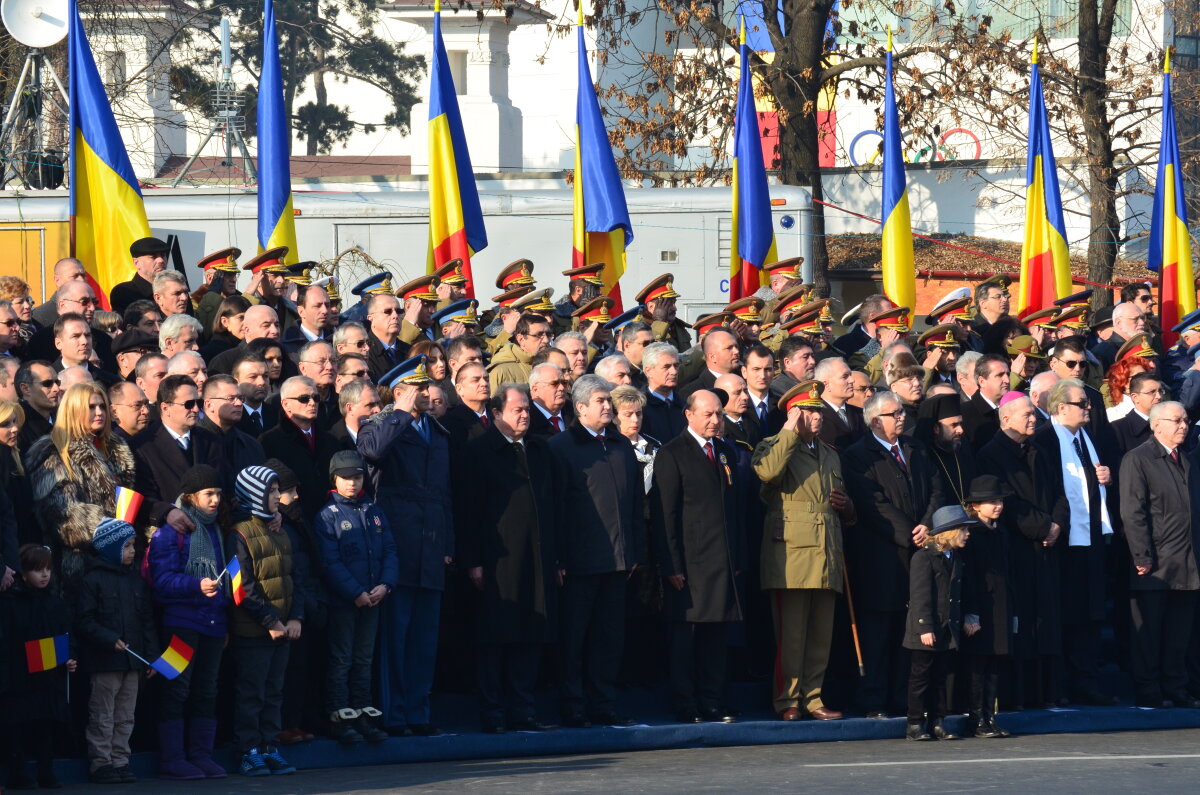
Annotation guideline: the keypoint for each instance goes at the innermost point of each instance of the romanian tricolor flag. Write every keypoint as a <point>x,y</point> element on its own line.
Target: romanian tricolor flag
<point>276,219</point>
<point>107,213</point>
<point>47,653</point>
<point>234,569</point>
<point>174,660</point>
<point>1170,246</point>
<point>129,502</point>
<point>455,217</point>
<point>602,228</point>
<point>1045,261</point>
<point>899,270</point>
<point>753,243</point>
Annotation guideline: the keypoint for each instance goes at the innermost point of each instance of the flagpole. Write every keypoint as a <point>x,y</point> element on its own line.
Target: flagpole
<point>140,657</point>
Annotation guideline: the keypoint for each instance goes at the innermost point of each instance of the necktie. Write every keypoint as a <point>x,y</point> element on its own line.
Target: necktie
<point>600,438</point>
<point>483,418</point>
<point>708,451</point>
<point>391,354</point>
<point>423,427</point>
<point>1093,490</point>
<point>557,423</point>
<point>899,460</point>
<point>310,441</point>
<point>522,461</point>
<point>841,412</point>
<point>1175,456</point>
<point>762,412</point>
<point>256,420</point>
<point>183,443</point>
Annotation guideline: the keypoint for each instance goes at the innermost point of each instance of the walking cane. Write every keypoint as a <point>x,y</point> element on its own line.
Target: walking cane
<point>862,671</point>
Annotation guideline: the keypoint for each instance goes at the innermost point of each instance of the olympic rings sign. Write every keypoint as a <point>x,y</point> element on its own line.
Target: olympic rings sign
<point>939,149</point>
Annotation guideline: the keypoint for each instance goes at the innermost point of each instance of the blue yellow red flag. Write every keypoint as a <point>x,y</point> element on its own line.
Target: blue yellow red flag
<point>276,219</point>
<point>1045,260</point>
<point>753,237</point>
<point>899,270</point>
<point>456,228</point>
<point>129,502</point>
<point>175,659</point>
<point>1170,245</point>
<point>46,653</point>
<point>234,570</point>
<point>601,228</point>
<point>107,212</point>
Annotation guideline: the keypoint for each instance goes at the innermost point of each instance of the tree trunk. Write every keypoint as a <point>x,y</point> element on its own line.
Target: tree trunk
<point>313,135</point>
<point>1095,33</point>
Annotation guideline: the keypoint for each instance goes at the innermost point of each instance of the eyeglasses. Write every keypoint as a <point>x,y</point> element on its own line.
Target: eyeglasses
<point>1072,363</point>
<point>49,382</point>
<point>318,362</point>
<point>304,399</point>
<point>82,301</point>
<point>389,311</point>
<point>190,405</point>
<point>355,374</point>
<point>897,414</point>
<point>1159,391</point>
<point>230,399</point>
<point>864,389</point>
<point>139,406</point>
<point>358,344</point>
<point>12,323</point>
<point>1079,404</point>
<point>545,335</point>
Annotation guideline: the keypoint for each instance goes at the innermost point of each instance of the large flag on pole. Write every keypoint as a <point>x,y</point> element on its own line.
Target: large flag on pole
<point>276,220</point>
<point>1170,246</point>
<point>899,273</point>
<point>1045,261</point>
<point>601,228</point>
<point>455,217</point>
<point>107,213</point>
<point>753,238</point>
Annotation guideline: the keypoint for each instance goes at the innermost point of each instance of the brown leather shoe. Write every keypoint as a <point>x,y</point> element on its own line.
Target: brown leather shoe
<point>791,713</point>
<point>825,713</point>
<point>290,737</point>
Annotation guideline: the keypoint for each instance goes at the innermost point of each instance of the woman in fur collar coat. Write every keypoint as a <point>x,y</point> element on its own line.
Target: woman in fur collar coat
<point>74,470</point>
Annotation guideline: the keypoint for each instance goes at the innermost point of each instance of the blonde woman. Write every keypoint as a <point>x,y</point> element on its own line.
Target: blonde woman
<point>74,470</point>
<point>628,404</point>
<point>12,474</point>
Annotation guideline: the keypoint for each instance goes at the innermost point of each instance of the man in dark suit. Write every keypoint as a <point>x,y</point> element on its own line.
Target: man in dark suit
<point>1080,480</point>
<point>842,424</point>
<point>602,543</point>
<point>78,298</point>
<point>468,418</point>
<point>507,540</point>
<point>1160,500</point>
<point>73,338</point>
<point>169,448</point>
<point>1145,391</point>
<point>980,422</point>
<point>39,391</point>
<point>548,386</point>
<point>149,255</point>
<point>222,412</point>
<point>1033,558</point>
<point>258,414</point>
<point>300,442</point>
<point>891,482</point>
<point>662,418</point>
<point>409,454</point>
<point>697,531</point>
<point>385,348</point>
<point>358,402</point>
<point>721,357</point>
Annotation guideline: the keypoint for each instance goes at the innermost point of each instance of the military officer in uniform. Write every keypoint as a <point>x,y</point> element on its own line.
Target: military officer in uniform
<point>942,349</point>
<point>747,319</point>
<point>659,299</point>
<point>801,557</point>
<point>955,307</point>
<point>419,300</point>
<point>498,332</point>
<point>452,283</point>
<point>457,319</point>
<point>784,276</point>
<point>220,282</point>
<point>378,284</point>
<point>268,284</point>
<point>585,283</point>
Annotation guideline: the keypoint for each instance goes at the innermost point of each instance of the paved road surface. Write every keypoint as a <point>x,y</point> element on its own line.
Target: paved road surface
<point>1125,762</point>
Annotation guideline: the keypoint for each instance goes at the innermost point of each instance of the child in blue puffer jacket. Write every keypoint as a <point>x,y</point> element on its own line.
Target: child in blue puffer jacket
<point>360,568</point>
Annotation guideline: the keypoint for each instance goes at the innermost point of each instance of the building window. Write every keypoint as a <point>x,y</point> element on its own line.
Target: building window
<point>458,70</point>
<point>112,69</point>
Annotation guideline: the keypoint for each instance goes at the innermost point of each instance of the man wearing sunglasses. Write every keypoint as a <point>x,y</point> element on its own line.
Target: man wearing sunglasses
<point>38,388</point>
<point>1070,359</point>
<point>385,350</point>
<point>300,442</point>
<point>170,447</point>
<point>10,326</point>
<point>78,298</point>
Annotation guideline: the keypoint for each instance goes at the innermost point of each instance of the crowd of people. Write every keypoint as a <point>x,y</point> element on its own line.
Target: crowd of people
<point>321,512</point>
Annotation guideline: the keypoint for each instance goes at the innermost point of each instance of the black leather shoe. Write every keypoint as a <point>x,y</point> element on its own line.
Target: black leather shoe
<point>940,731</point>
<point>611,719</point>
<point>996,727</point>
<point>687,716</point>
<point>576,721</point>
<point>917,731</point>
<point>398,731</point>
<point>877,715</point>
<point>424,730</point>
<point>717,716</point>
<point>531,725</point>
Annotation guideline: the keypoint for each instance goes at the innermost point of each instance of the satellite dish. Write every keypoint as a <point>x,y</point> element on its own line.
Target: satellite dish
<point>35,23</point>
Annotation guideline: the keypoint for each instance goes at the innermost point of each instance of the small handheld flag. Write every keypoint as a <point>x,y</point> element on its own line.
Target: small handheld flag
<point>46,653</point>
<point>235,580</point>
<point>174,660</point>
<point>129,502</point>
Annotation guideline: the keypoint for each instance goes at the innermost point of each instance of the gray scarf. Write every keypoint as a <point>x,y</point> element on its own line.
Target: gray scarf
<point>204,560</point>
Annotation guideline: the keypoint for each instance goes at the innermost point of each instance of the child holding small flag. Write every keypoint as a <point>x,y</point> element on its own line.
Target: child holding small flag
<point>186,570</point>
<point>112,614</point>
<point>35,629</point>
<point>268,614</point>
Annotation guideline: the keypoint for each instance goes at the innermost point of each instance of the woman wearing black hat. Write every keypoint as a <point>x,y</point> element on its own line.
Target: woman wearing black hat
<point>991,610</point>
